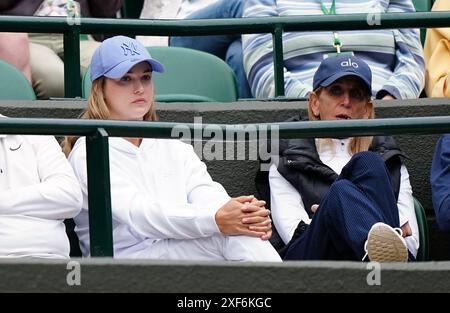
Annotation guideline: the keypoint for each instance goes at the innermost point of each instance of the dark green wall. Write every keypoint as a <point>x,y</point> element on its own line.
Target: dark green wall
<point>106,275</point>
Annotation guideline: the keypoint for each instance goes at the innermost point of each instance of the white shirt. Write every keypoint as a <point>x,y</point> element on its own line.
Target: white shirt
<point>38,190</point>
<point>288,209</point>
<point>168,9</point>
<point>159,190</point>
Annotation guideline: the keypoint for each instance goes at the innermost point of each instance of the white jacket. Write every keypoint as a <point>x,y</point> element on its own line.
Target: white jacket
<point>168,9</point>
<point>159,190</point>
<point>38,190</point>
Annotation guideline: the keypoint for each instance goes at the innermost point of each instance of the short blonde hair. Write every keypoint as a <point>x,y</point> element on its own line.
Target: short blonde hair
<point>357,144</point>
<point>97,108</point>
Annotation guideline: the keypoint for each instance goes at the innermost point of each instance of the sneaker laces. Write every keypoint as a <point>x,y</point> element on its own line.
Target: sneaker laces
<point>365,249</point>
<point>399,231</point>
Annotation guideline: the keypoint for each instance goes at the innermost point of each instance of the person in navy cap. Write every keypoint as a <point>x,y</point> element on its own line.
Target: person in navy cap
<point>164,203</point>
<point>341,198</point>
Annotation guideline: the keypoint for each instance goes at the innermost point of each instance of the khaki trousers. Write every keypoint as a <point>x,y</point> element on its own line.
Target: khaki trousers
<point>47,67</point>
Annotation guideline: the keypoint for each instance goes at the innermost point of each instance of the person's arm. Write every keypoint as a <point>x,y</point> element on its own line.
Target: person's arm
<point>407,79</point>
<point>233,217</point>
<point>258,56</point>
<point>163,218</point>
<point>286,205</point>
<point>145,215</point>
<point>440,182</point>
<point>101,8</point>
<point>57,196</point>
<point>407,213</point>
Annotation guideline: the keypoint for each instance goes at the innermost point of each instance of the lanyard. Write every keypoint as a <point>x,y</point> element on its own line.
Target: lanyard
<point>337,43</point>
<point>332,9</point>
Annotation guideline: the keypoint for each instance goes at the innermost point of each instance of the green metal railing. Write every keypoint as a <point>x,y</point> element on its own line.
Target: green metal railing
<point>274,25</point>
<point>98,132</point>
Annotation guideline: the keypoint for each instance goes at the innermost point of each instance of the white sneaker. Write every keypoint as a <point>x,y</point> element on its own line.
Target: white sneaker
<point>386,244</point>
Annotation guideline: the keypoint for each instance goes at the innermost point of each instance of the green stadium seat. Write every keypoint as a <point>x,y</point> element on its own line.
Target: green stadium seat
<point>13,84</point>
<point>422,6</point>
<point>424,248</point>
<point>190,76</point>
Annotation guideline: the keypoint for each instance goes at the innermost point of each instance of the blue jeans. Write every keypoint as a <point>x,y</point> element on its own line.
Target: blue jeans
<point>360,197</point>
<point>226,47</point>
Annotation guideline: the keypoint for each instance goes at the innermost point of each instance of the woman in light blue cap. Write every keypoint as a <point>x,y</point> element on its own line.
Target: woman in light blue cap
<point>164,203</point>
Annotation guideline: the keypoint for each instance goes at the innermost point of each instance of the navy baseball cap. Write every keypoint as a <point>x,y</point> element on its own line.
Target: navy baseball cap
<point>117,55</point>
<point>335,67</point>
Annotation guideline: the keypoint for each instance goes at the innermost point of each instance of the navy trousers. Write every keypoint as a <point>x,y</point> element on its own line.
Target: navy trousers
<point>360,197</point>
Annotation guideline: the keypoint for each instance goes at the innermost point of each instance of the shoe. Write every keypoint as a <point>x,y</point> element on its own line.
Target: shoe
<point>386,244</point>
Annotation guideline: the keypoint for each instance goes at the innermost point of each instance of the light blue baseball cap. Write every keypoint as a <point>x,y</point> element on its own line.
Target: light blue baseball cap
<point>117,55</point>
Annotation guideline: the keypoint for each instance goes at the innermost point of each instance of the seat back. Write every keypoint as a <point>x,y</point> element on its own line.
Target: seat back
<point>13,84</point>
<point>190,76</point>
<point>423,254</point>
<point>422,6</point>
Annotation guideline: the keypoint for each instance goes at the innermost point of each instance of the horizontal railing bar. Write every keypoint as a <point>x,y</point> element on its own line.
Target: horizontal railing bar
<point>307,129</point>
<point>228,26</point>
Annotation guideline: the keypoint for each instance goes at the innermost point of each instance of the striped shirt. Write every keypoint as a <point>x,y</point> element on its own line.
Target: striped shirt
<point>394,56</point>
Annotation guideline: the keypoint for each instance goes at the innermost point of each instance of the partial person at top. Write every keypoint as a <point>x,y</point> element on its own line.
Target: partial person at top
<point>394,55</point>
<point>164,203</point>
<point>226,47</point>
<point>437,57</point>
<point>440,182</point>
<point>47,50</point>
<point>15,50</point>
<point>168,9</point>
<point>38,191</point>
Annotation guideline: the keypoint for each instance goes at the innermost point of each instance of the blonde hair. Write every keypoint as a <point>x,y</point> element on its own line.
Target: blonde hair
<point>357,144</point>
<point>97,109</point>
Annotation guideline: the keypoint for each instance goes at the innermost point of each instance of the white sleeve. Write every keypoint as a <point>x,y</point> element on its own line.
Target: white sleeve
<point>406,210</point>
<point>201,190</point>
<point>57,196</point>
<point>151,217</point>
<point>286,205</point>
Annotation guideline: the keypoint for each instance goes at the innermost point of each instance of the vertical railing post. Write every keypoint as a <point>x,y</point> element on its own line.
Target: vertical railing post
<point>278,62</point>
<point>72,80</point>
<point>99,194</point>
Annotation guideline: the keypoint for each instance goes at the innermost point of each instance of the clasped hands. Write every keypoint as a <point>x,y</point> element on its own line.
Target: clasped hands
<point>244,215</point>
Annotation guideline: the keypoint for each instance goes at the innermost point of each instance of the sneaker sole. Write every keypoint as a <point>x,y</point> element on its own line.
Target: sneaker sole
<point>385,245</point>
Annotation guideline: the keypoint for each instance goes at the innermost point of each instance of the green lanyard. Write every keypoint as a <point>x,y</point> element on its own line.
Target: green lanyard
<point>336,41</point>
<point>332,8</point>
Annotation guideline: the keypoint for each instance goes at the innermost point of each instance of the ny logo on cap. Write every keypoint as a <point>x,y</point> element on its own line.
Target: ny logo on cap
<point>349,63</point>
<point>130,48</point>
